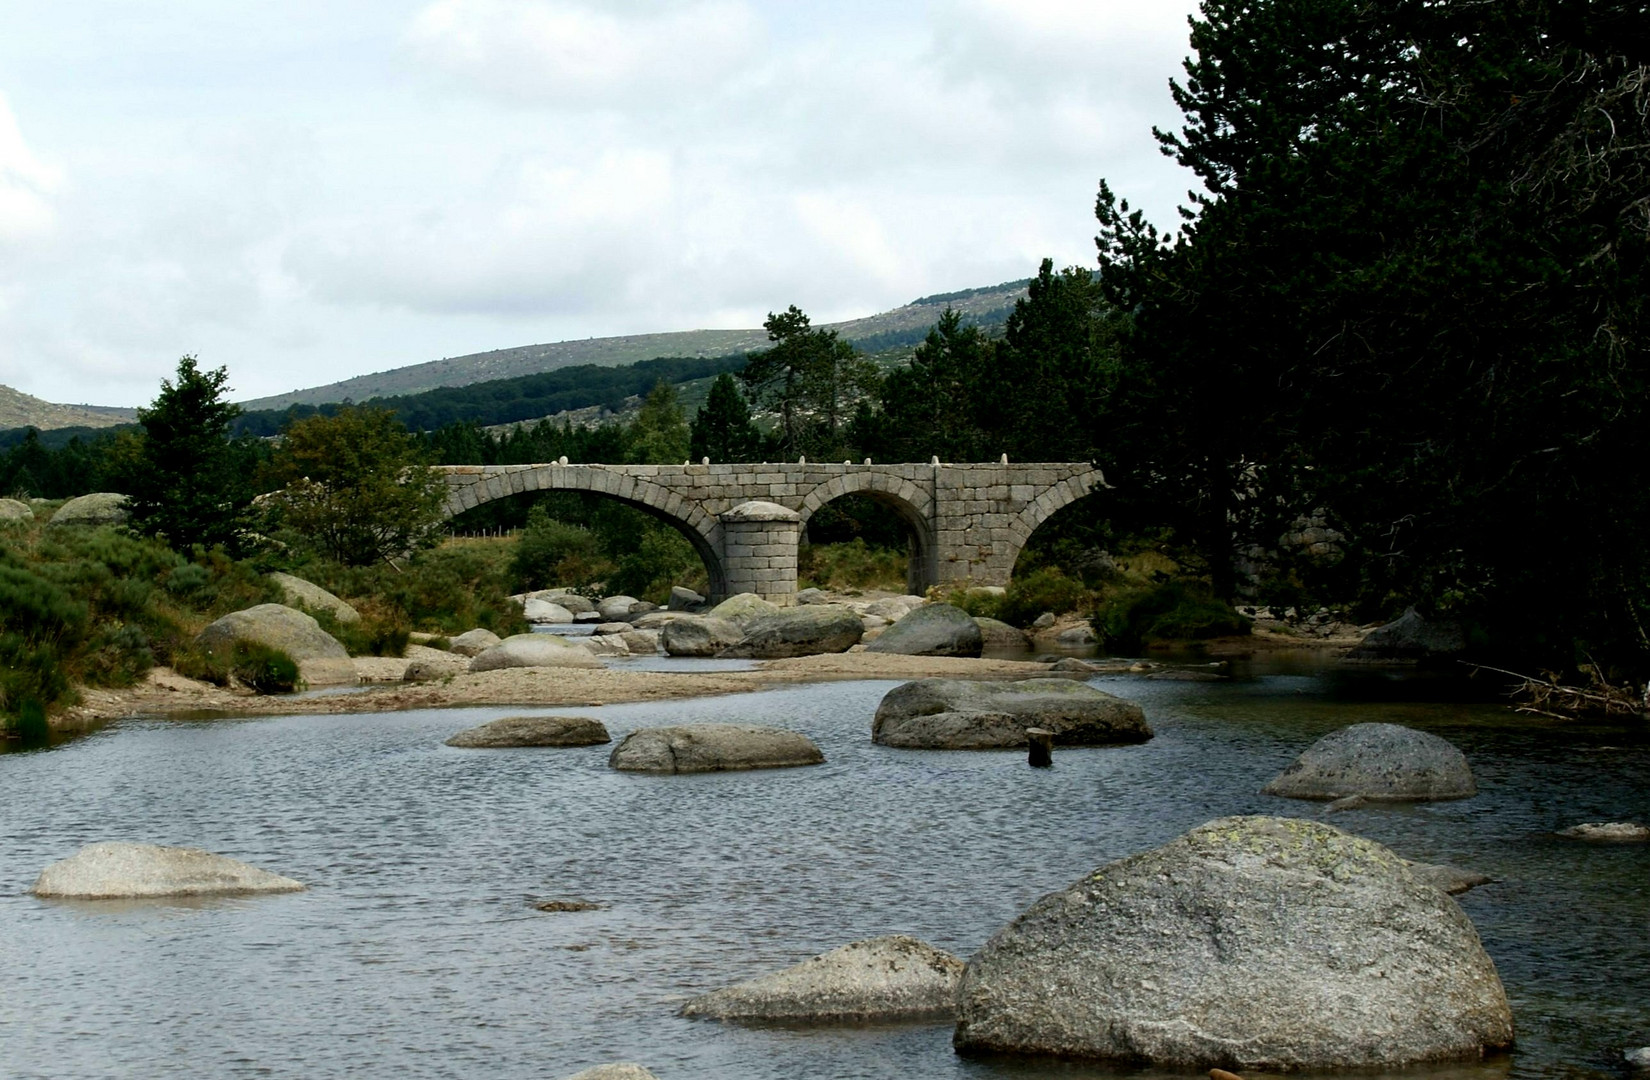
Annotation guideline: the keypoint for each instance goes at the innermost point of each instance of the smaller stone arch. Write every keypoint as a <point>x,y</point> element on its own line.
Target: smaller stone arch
<point>913,505</point>
<point>1044,506</point>
<point>470,487</point>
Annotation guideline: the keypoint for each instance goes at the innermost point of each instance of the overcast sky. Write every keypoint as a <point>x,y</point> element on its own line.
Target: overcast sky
<point>305,191</point>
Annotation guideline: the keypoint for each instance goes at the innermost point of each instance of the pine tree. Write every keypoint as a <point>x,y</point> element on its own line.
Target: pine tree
<point>722,429</point>
<point>188,483</point>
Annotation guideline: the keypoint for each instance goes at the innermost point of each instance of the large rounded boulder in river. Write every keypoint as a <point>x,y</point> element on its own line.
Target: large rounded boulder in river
<point>322,661</point>
<point>798,631</point>
<point>932,630</point>
<point>697,635</point>
<point>474,642</point>
<point>111,871</point>
<point>618,1070</point>
<point>1249,942</point>
<point>534,650</point>
<point>879,979</point>
<point>1377,761</point>
<point>515,731</point>
<point>957,714</point>
<point>698,748</point>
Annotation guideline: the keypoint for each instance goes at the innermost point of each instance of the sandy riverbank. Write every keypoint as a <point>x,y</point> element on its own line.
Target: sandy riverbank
<point>165,692</point>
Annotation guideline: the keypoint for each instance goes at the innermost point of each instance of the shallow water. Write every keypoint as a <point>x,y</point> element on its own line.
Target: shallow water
<point>416,952</point>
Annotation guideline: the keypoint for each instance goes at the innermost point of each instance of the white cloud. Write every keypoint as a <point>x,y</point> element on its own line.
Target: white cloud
<point>551,51</point>
<point>26,182</point>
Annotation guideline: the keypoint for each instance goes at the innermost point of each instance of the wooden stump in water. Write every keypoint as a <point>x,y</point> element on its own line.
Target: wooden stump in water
<point>1040,744</point>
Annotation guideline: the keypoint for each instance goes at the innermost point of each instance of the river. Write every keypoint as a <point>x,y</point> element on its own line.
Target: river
<point>417,952</point>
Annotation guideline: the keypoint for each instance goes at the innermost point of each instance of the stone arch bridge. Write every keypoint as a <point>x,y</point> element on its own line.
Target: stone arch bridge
<point>968,522</point>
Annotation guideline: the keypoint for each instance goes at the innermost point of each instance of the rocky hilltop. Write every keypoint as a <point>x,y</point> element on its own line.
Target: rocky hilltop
<point>18,409</point>
<point>613,351</point>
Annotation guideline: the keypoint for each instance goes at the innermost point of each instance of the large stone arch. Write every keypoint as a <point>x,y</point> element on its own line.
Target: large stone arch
<point>686,516</point>
<point>1046,505</point>
<point>914,506</point>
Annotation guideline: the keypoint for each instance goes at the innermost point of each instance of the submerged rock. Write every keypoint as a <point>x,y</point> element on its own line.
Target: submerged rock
<point>696,748</point>
<point>514,731</point>
<point>1451,879</point>
<point>322,661</point>
<point>879,979</point>
<point>1410,637</point>
<point>1616,832</point>
<point>113,870</point>
<point>534,650</point>
<point>931,630</point>
<point>956,714</point>
<point>1249,942</point>
<point>698,635</point>
<point>620,1070</point>
<point>798,631</point>
<point>310,595</point>
<point>1377,761</point>
<point>473,642</point>
<point>1639,1059</point>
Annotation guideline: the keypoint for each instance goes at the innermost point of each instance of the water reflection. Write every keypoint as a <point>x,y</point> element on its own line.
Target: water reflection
<point>417,951</point>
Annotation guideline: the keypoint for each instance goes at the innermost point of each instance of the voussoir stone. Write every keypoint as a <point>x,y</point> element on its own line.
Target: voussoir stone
<point>113,870</point>
<point>513,731</point>
<point>742,608</point>
<point>1379,762</point>
<point>473,642</point>
<point>322,660</point>
<point>98,508</point>
<point>931,630</point>
<point>307,594</point>
<point>957,714</point>
<point>698,635</point>
<point>798,631</point>
<point>619,1070</point>
<point>696,748</point>
<point>534,650</point>
<point>883,978</point>
<point>12,510</point>
<point>1249,942</point>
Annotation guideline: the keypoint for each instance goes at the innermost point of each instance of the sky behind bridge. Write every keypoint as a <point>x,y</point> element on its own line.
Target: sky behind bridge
<point>306,191</point>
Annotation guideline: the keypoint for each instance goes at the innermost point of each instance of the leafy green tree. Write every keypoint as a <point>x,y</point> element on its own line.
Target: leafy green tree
<point>187,482</point>
<point>660,433</point>
<point>811,378</point>
<point>722,429</point>
<point>356,486</point>
<point>1411,293</point>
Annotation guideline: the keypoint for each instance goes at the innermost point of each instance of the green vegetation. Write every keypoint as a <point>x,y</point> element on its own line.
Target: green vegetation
<point>811,378</point>
<point>266,670</point>
<point>723,430</point>
<point>595,545</point>
<point>1138,616</point>
<point>185,480</point>
<point>355,487</point>
<point>851,564</point>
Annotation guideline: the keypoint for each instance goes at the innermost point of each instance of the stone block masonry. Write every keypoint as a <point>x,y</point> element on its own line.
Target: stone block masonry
<point>968,521</point>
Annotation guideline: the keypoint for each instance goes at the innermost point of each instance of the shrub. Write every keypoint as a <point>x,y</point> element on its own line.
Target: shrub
<point>852,564</point>
<point>266,670</point>
<point>1172,611</point>
<point>1047,589</point>
<point>553,552</point>
<point>977,602</point>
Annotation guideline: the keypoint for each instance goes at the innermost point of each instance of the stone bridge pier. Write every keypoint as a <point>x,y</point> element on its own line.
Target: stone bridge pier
<point>968,522</point>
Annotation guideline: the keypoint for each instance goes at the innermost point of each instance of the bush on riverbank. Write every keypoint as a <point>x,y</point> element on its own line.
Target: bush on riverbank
<point>100,607</point>
<point>1136,616</point>
<point>266,670</point>
<point>851,564</point>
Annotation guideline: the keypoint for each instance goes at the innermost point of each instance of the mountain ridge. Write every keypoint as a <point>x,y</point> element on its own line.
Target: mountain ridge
<point>613,351</point>
<point>18,410</point>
